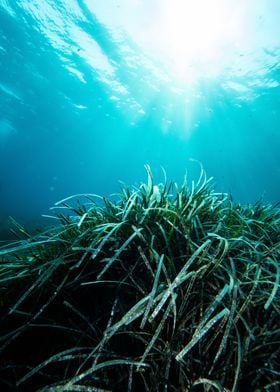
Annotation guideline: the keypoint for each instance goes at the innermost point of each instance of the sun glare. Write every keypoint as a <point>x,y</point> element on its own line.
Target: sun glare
<point>193,34</point>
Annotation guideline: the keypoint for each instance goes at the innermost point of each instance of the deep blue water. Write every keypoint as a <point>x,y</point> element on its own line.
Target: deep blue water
<point>83,106</point>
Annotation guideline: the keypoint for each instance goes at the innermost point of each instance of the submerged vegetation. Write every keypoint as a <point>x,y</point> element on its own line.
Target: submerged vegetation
<point>169,288</point>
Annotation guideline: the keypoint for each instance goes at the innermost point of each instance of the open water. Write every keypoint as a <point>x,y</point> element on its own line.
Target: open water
<point>91,91</point>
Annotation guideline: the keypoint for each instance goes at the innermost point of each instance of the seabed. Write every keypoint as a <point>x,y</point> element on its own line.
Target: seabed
<point>167,288</point>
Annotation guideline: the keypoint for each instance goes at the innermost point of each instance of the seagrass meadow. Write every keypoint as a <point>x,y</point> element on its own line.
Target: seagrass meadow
<point>164,288</point>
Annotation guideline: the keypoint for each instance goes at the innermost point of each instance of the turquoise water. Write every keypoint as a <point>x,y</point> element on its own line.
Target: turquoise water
<point>89,93</point>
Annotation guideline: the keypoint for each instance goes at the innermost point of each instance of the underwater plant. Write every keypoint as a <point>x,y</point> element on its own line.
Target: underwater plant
<point>168,288</point>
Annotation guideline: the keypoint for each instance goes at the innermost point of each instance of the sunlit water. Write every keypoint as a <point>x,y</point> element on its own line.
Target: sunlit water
<point>90,91</point>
